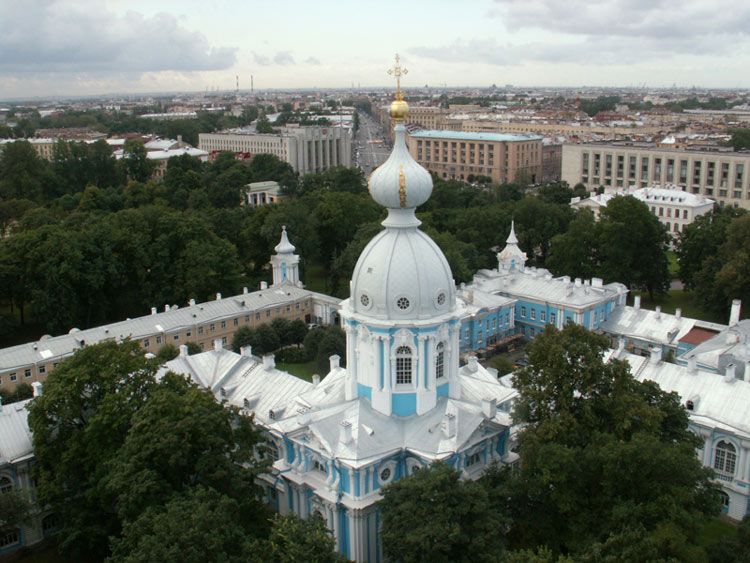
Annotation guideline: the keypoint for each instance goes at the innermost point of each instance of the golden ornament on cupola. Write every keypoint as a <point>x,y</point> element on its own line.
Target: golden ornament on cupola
<point>399,107</point>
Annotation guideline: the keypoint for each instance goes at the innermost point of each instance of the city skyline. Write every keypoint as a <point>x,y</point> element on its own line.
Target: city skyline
<point>86,47</point>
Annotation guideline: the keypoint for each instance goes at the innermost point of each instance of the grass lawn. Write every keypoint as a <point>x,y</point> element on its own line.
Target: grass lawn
<point>715,530</point>
<point>684,300</point>
<point>673,266</point>
<point>303,371</point>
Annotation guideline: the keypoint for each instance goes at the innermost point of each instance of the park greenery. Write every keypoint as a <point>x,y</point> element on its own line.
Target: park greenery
<point>607,472</point>
<point>91,240</point>
<point>140,469</point>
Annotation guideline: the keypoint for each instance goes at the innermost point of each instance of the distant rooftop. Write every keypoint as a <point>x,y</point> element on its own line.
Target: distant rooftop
<point>471,136</point>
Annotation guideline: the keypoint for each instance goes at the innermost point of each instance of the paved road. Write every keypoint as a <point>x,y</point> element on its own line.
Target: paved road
<point>370,154</point>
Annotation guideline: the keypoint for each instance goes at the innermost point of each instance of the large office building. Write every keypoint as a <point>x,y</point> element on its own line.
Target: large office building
<point>723,176</point>
<point>308,149</point>
<point>458,155</point>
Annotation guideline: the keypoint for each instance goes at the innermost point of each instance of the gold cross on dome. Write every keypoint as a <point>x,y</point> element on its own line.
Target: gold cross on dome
<point>398,71</point>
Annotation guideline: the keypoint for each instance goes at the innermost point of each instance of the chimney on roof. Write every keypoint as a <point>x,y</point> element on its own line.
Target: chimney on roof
<point>489,407</point>
<point>678,313</point>
<point>37,387</point>
<point>218,346</point>
<point>734,316</point>
<point>191,302</point>
<point>303,415</point>
<point>166,308</point>
<point>656,354</point>
<point>730,372</point>
<point>264,285</point>
<point>315,380</point>
<point>183,351</point>
<point>244,290</point>
<point>637,302</point>
<point>657,310</point>
<point>472,364</point>
<point>246,351</point>
<point>334,361</point>
<point>449,425</point>
<point>345,431</point>
<point>269,361</point>
<point>218,296</point>
<point>153,310</point>
<point>692,365</point>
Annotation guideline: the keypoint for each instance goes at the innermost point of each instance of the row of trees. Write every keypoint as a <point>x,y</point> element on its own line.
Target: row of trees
<point>291,342</point>
<point>714,257</point>
<point>627,244</point>
<point>141,470</point>
<point>607,472</point>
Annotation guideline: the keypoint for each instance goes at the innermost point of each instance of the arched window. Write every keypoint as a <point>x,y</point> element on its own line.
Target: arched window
<point>725,459</point>
<point>403,365</point>
<point>439,361</point>
<point>6,485</point>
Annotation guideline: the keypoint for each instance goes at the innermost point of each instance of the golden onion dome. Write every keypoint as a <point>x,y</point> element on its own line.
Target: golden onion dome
<point>399,110</point>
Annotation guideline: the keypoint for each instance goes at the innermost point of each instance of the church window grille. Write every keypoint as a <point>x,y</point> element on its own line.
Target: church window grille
<point>49,522</point>
<point>473,459</point>
<point>9,539</point>
<point>403,365</point>
<point>725,459</point>
<point>6,485</point>
<point>402,303</point>
<point>317,466</point>
<point>441,298</point>
<point>440,361</point>
<point>365,300</point>
<point>385,474</point>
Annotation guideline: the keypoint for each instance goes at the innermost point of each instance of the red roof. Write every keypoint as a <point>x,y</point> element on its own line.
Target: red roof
<point>698,335</point>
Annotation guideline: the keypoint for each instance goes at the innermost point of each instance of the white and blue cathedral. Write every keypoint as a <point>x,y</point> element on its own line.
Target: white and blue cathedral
<point>404,400</point>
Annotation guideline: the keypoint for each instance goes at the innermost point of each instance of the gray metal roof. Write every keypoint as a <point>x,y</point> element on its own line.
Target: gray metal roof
<point>15,436</point>
<point>175,319</point>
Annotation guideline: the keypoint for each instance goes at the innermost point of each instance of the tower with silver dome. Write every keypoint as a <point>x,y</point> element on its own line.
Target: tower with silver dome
<point>402,320</point>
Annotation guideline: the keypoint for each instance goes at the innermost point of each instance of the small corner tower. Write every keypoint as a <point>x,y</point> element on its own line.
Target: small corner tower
<point>511,257</point>
<point>285,262</point>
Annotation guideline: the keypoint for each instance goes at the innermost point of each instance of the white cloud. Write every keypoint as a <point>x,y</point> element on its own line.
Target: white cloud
<point>83,37</point>
<point>283,58</point>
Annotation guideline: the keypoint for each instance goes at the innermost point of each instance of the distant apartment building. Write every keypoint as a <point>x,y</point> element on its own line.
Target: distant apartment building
<point>44,146</point>
<point>719,175</point>
<point>551,161</point>
<point>674,207</point>
<point>308,149</point>
<point>457,154</point>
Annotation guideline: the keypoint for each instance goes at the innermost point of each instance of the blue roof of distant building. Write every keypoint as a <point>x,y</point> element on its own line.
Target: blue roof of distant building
<point>471,136</point>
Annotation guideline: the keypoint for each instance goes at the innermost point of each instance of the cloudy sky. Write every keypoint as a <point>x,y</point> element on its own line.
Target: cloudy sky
<point>80,47</point>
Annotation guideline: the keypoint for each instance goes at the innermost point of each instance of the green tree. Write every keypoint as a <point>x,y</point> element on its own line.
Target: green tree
<point>575,252</point>
<point>179,439</point>
<point>726,275</point>
<point>135,162</point>
<point>78,425</point>
<point>201,525</point>
<point>701,239</point>
<point>632,246</point>
<point>21,172</point>
<point>166,353</point>
<point>589,421</point>
<point>295,539</point>
<point>332,342</point>
<point>433,515</point>
<point>15,509</point>
<point>245,336</point>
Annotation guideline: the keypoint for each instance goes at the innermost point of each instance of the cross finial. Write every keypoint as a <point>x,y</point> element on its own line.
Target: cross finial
<point>398,71</point>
